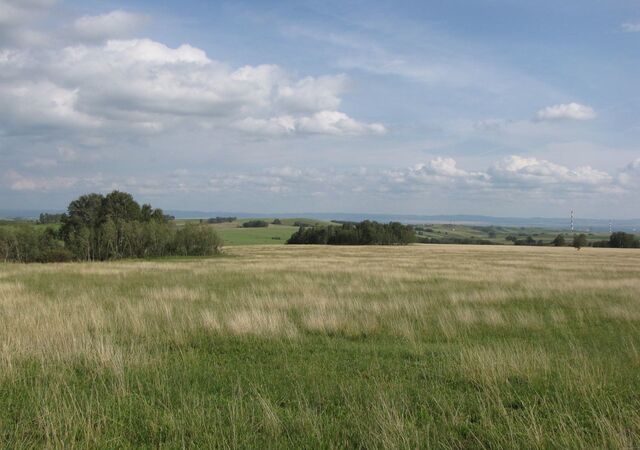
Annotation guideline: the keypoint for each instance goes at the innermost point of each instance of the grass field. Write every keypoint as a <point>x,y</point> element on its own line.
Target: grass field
<point>232,233</point>
<point>317,347</point>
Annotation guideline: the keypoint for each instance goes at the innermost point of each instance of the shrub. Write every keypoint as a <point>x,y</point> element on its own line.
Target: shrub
<point>196,240</point>
<point>56,255</point>
<point>255,224</point>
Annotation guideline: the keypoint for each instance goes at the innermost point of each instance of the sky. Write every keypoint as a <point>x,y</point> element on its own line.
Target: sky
<point>494,107</point>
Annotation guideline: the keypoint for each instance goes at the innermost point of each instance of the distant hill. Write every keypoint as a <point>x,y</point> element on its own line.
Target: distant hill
<point>632,225</point>
<point>582,224</point>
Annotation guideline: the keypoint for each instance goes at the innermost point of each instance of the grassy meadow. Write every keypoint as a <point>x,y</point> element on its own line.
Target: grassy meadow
<point>232,233</point>
<point>316,347</point>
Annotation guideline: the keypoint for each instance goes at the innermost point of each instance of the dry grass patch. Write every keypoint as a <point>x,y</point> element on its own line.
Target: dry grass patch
<point>495,364</point>
<point>260,323</point>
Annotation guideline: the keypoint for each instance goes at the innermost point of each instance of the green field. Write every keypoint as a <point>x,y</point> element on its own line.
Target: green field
<point>325,347</point>
<point>498,234</point>
<point>232,233</point>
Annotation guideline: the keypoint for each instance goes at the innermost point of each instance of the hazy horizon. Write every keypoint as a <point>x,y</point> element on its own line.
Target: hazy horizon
<point>501,108</point>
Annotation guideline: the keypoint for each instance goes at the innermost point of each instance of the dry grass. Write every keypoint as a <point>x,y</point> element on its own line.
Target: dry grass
<point>563,324</point>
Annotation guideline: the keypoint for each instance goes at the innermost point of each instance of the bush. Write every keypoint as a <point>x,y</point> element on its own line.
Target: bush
<point>196,240</point>
<point>276,222</point>
<point>56,255</point>
<point>255,224</point>
<point>221,219</point>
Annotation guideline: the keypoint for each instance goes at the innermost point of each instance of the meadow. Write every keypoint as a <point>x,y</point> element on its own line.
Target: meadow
<point>232,233</point>
<point>423,346</point>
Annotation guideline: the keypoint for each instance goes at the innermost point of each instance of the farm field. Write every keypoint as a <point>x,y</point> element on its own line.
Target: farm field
<point>325,347</point>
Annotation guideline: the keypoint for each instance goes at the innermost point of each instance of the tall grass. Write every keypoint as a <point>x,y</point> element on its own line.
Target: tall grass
<point>303,347</point>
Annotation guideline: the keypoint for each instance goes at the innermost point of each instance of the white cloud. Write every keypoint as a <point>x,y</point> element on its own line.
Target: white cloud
<point>16,12</point>
<point>336,122</point>
<point>41,103</point>
<point>19,182</point>
<point>152,87</point>
<point>313,94</point>
<point>322,122</point>
<point>567,111</point>
<point>516,174</point>
<point>443,170</point>
<point>115,24</point>
<point>629,177</point>
<point>518,170</point>
<point>631,27</point>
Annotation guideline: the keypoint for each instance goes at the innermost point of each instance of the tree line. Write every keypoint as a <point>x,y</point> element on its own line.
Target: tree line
<point>100,227</point>
<point>220,219</point>
<point>362,233</point>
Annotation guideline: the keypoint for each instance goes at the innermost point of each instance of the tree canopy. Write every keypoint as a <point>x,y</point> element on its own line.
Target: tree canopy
<point>363,233</point>
<point>103,227</point>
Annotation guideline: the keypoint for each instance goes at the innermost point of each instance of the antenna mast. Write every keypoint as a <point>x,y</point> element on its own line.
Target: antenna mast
<point>572,220</point>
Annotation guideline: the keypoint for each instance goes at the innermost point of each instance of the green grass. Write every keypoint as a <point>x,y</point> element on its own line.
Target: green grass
<point>325,347</point>
<point>273,234</point>
<point>232,233</point>
<point>499,233</point>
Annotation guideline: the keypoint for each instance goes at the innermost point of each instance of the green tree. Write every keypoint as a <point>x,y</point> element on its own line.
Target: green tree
<point>196,240</point>
<point>579,241</point>
<point>559,241</point>
<point>620,239</point>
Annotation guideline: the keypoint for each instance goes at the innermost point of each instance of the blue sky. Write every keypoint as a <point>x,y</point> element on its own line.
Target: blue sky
<point>496,107</point>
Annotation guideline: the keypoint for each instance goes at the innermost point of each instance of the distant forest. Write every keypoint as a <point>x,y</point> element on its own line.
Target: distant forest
<point>363,233</point>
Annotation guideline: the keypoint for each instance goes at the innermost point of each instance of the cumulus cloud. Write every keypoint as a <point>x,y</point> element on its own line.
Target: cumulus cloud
<point>313,94</point>
<point>152,87</point>
<point>436,172</point>
<point>567,111</point>
<point>115,24</point>
<point>631,27</point>
<point>516,174</point>
<point>515,177</point>
<point>41,103</point>
<point>322,122</point>
<point>518,170</point>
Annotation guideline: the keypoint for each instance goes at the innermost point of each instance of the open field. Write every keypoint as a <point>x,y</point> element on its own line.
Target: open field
<point>232,233</point>
<point>498,234</point>
<point>306,347</point>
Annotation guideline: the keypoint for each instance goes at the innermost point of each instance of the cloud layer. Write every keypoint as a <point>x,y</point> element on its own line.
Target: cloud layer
<point>516,175</point>
<point>105,81</point>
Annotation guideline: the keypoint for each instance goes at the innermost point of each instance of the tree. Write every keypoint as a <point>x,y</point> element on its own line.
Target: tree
<point>620,239</point>
<point>363,233</point>
<point>196,240</point>
<point>559,241</point>
<point>80,225</point>
<point>97,227</point>
<point>121,206</point>
<point>579,241</point>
